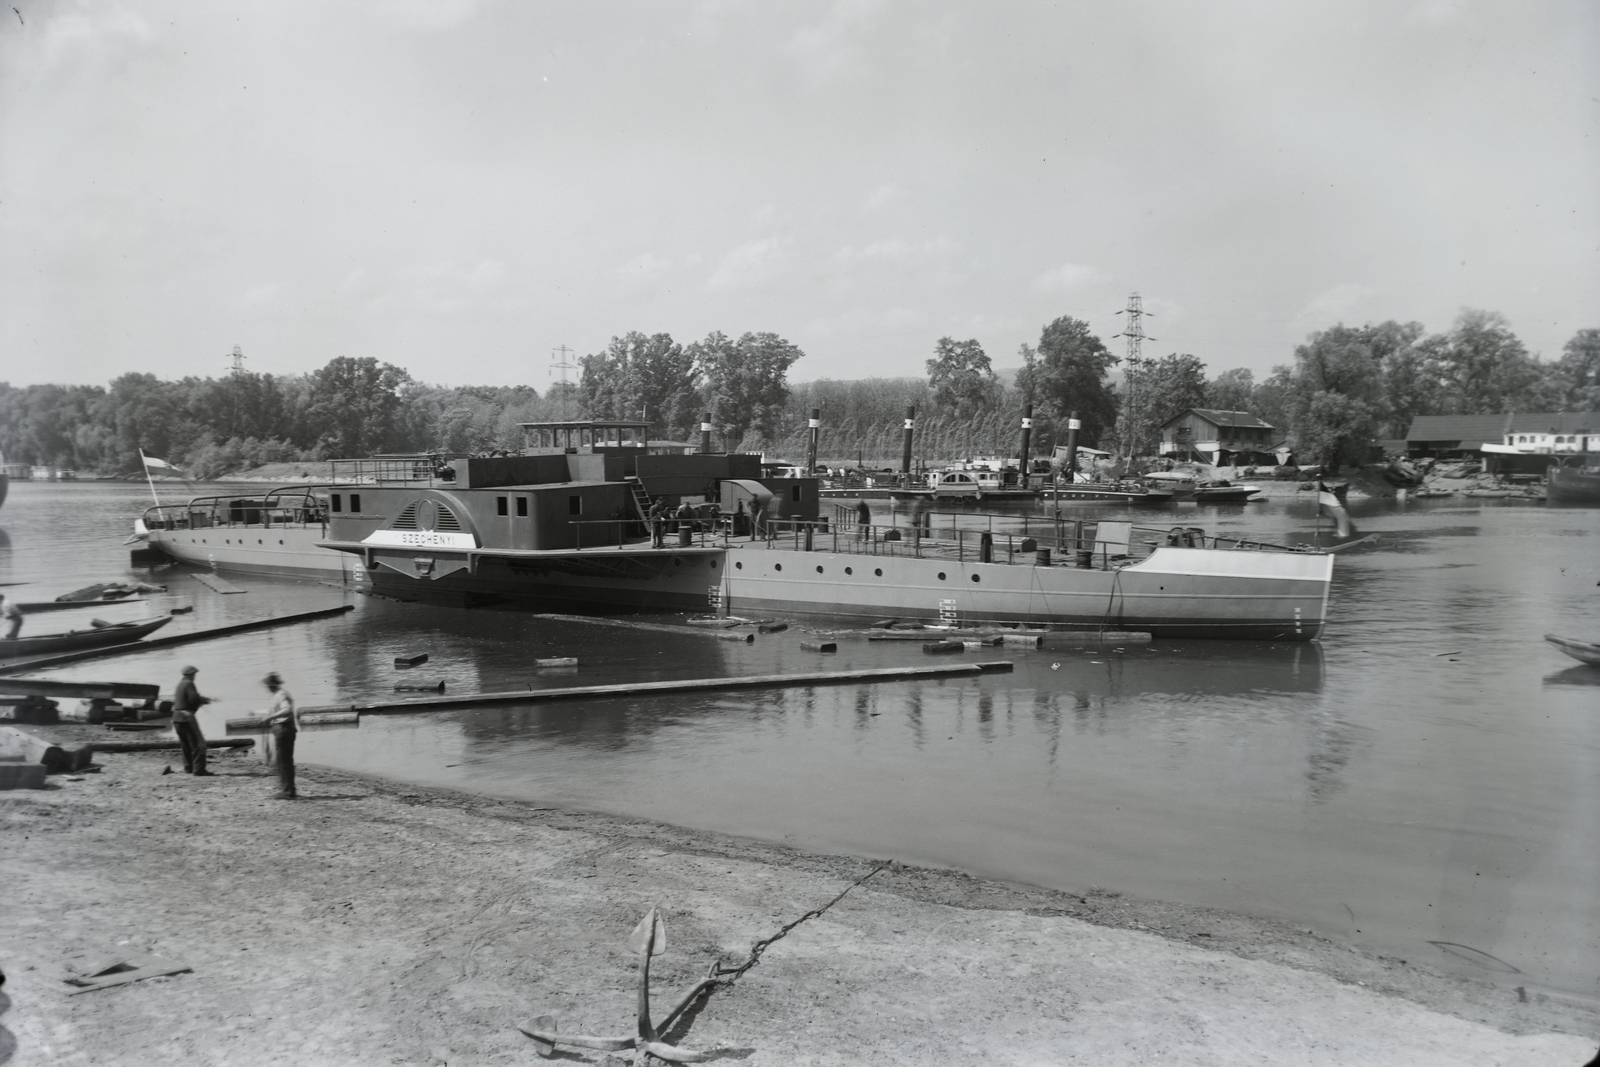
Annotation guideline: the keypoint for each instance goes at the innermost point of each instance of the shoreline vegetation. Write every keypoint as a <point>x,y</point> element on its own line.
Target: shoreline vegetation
<point>1348,390</point>
<point>373,922</point>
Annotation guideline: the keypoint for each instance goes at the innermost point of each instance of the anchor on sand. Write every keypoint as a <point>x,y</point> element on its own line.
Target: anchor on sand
<point>649,938</point>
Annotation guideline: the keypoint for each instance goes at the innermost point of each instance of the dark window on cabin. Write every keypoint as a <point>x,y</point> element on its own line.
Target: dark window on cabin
<point>574,505</point>
<point>500,506</point>
<point>794,492</point>
<point>355,501</point>
<point>522,505</point>
<point>338,503</point>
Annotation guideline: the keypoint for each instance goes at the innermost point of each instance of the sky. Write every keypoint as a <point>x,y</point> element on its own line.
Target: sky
<point>463,187</point>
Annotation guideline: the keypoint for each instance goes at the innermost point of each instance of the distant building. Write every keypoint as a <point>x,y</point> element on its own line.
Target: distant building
<point>1218,437</point>
<point>1542,433</point>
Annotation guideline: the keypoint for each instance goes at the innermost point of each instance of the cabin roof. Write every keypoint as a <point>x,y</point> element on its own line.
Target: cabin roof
<point>1218,417</point>
<point>587,424</point>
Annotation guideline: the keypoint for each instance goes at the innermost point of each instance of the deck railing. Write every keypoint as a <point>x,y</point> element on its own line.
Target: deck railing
<point>288,508</point>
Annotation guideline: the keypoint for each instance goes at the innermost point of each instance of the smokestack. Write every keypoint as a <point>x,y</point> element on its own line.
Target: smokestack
<point>811,447</point>
<point>905,452</point>
<point>1027,438</point>
<point>705,435</point>
<point>1072,447</point>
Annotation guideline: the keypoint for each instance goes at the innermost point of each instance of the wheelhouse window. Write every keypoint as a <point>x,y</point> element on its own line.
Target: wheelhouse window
<point>336,502</point>
<point>574,505</point>
<point>500,506</point>
<point>355,501</point>
<point>522,505</point>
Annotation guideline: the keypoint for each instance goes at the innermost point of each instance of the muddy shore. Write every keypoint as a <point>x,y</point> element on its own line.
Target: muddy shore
<point>376,923</point>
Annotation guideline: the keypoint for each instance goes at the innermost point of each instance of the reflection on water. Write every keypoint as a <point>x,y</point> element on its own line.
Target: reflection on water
<point>1425,781</point>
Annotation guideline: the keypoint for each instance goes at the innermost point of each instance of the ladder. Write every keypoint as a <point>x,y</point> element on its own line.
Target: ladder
<point>641,499</point>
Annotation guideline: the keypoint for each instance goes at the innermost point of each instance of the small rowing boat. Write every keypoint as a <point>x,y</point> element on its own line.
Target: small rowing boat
<point>99,637</point>
<point>1582,651</point>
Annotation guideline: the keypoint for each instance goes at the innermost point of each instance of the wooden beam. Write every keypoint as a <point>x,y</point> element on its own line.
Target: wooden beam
<point>174,639</point>
<point>680,685</point>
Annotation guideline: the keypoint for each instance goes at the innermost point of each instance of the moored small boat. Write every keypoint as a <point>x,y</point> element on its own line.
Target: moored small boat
<point>73,640</point>
<point>1574,480</point>
<point>1582,651</point>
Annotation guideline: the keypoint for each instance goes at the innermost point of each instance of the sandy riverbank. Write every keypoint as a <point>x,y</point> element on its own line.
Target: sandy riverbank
<point>374,923</point>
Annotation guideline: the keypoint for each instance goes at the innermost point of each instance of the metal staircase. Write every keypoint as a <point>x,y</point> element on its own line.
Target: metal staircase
<point>641,499</point>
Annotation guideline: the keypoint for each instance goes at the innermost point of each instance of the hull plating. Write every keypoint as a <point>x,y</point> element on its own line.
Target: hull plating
<point>288,552</point>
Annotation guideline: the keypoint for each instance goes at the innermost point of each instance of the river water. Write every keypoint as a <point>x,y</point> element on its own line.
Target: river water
<point>1424,782</point>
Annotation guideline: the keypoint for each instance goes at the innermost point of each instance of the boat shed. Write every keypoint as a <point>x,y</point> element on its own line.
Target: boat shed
<point>1458,436</point>
<point>1220,437</point>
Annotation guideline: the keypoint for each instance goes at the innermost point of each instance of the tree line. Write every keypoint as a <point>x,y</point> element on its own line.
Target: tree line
<point>1347,388</point>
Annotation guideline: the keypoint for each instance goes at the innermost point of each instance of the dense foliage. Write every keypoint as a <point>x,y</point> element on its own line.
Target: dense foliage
<point>1347,388</point>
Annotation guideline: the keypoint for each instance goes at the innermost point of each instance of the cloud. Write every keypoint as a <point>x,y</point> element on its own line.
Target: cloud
<point>260,295</point>
<point>869,322</point>
<point>748,265</point>
<point>828,51</point>
<point>897,252</point>
<point>645,267</point>
<point>1344,301</point>
<point>1066,278</point>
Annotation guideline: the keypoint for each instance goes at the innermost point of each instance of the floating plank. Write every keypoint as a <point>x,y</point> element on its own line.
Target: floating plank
<point>771,627</point>
<point>215,583</point>
<point>146,645</point>
<point>630,624</point>
<point>37,606</point>
<point>1104,637</point>
<point>681,685</point>
<point>153,746</point>
<point>307,718</point>
<point>420,687</point>
<point>819,646</point>
<point>936,648</point>
<point>557,661</point>
<point>404,662</point>
<point>35,687</point>
<point>748,639</point>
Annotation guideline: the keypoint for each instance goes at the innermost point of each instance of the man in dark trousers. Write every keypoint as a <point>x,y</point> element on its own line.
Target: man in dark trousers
<point>12,617</point>
<point>186,700</point>
<point>658,524</point>
<point>283,720</point>
<point>863,520</point>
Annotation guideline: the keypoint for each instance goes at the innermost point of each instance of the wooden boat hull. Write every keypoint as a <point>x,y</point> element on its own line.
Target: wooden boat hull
<point>1582,651</point>
<point>74,640</point>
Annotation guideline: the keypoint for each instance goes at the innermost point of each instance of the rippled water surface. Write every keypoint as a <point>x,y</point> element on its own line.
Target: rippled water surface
<point>1424,782</point>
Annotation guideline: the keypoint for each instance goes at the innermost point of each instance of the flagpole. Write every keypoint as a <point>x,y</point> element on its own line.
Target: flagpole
<point>151,481</point>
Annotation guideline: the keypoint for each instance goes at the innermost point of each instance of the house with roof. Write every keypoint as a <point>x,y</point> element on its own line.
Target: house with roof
<point>1219,437</point>
<point>1538,433</point>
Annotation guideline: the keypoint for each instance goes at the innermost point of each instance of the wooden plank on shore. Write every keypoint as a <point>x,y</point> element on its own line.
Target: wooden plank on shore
<point>680,685</point>
<point>152,746</point>
<point>35,687</point>
<point>146,645</point>
<point>1100,637</point>
<point>215,583</point>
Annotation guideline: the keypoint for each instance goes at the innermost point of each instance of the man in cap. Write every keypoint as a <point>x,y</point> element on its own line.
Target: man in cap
<point>284,721</point>
<point>186,700</point>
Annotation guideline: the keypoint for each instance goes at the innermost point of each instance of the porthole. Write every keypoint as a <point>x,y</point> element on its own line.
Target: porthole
<point>941,576</point>
<point>777,566</point>
<point>974,577</point>
<point>677,562</point>
<point>738,566</point>
<point>712,564</point>
<point>849,570</point>
<point>878,571</point>
<point>819,570</point>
